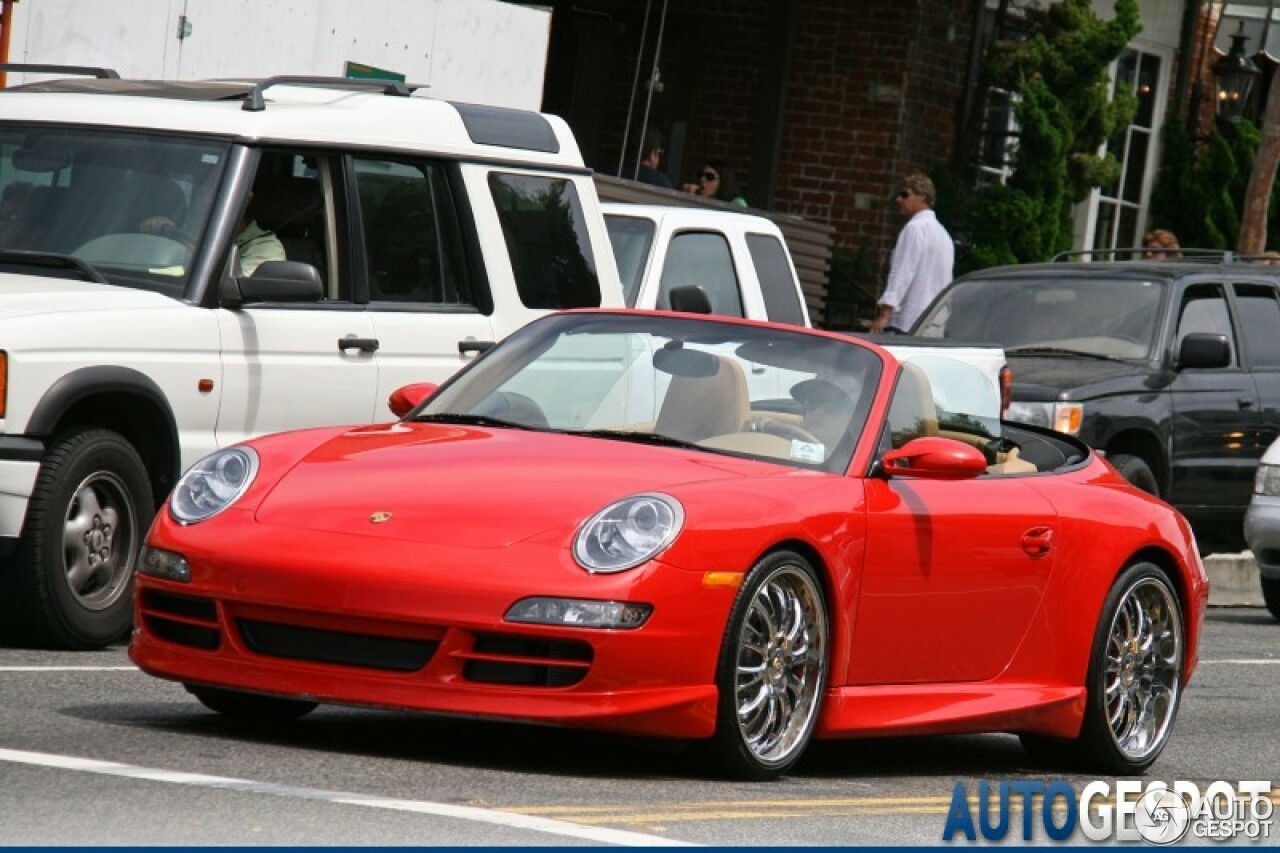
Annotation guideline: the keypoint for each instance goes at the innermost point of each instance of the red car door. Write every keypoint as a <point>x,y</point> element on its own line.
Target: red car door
<point>954,573</point>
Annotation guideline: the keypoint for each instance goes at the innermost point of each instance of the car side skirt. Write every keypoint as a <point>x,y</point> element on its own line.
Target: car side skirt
<point>910,709</point>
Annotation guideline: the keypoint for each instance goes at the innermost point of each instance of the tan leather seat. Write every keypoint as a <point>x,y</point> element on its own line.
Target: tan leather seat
<point>912,413</point>
<point>698,407</point>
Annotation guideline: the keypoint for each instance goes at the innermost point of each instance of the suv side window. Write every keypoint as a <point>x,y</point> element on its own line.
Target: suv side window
<point>412,240</point>
<point>702,259</point>
<point>777,285</point>
<point>1204,309</point>
<point>1260,323</point>
<point>546,235</point>
<point>290,204</point>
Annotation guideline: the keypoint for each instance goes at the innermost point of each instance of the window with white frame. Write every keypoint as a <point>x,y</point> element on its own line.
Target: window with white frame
<point>1118,212</point>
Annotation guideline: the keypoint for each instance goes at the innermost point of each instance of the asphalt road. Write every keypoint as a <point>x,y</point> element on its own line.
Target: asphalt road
<point>94,752</point>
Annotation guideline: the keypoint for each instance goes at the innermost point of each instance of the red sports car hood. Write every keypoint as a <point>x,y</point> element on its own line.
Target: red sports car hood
<point>473,486</point>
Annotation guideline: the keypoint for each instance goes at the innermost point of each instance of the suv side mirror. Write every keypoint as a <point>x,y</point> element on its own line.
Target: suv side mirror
<point>275,281</point>
<point>1204,349</point>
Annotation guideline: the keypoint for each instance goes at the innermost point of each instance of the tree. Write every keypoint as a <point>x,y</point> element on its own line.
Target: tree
<point>1262,177</point>
<point>1066,111</point>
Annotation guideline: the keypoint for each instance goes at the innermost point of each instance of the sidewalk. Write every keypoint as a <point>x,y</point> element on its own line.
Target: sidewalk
<point>1233,580</point>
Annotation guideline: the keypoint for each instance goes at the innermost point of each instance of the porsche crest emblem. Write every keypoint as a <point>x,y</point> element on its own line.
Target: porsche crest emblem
<point>380,518</point>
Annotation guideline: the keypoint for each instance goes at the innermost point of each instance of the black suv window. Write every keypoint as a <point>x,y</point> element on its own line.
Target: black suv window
<point>777,284</point>
<point>1259,320</point>
<point>546,235</point>
<point>413,244</point>
<point>1204,309</point>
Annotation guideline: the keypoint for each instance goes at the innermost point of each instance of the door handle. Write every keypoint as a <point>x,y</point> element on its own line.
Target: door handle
<point>1037,542</point>
<point>362,344</point>
<point>1245,402</point>
<point>472,345</point>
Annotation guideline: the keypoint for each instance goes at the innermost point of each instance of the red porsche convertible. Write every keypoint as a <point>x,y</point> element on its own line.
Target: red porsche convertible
<point>673,525</point>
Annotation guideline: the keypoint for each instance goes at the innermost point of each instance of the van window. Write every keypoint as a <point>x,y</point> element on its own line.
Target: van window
<point>777,283</point>
<point>546,234</point>
<point>702,259</point>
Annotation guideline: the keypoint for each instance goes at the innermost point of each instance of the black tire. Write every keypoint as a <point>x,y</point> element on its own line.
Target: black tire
<point>792,662</point>
<point>1136,471</point>
<point>1120,679</point>
<point>70,583</point>
<point>252,707</point>
<point>1271,595</point>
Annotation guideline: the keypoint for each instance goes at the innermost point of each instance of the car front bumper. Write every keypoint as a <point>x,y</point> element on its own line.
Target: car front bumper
<point>1262,532</point>
<point>406,626</point>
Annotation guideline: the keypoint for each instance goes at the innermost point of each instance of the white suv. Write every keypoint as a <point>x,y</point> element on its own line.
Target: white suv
<point>415,232</point>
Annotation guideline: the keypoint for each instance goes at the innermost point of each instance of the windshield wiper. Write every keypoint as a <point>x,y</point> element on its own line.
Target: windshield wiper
<point>638,437</point>
<point>1061,351</point>
<point>469,420</point>
<point>50,264</point>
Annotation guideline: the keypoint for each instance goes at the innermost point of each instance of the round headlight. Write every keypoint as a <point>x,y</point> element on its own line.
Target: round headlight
<point>213,484</point>
<point>627,533</point>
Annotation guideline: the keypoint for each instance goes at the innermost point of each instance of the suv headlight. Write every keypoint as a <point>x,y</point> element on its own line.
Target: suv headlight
<point>213,484</point>
<point>627,533</point>
<point>1063,417</point>
<point>1267,480</point>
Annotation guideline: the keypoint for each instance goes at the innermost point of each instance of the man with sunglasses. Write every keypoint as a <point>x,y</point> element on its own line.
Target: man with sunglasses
<point>922,260</point>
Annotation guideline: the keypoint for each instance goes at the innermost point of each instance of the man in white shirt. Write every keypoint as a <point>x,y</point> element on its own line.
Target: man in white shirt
<point>922,259</point>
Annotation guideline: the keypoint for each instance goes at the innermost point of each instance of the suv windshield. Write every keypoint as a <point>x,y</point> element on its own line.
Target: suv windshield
<point>129,205</point>
<point>1105,317</point>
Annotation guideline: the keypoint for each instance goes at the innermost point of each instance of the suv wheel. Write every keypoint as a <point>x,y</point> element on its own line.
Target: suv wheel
<point>71,582</point>
<point>1136,471</point>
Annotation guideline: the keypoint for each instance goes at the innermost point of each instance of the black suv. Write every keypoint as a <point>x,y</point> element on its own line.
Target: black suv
<point>1170,367</point>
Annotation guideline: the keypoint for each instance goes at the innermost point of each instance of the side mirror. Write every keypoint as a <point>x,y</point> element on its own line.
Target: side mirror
<point>690,299</point>
<point>935,458</point>
<point>1204,349</point>
<point>404,400</point>
<point>281,281</point>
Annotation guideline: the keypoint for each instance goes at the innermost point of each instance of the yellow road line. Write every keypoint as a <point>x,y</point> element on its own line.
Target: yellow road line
<point>657,813</point>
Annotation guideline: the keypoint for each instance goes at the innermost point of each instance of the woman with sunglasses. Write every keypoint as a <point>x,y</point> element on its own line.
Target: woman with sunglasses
<point>715,180</point>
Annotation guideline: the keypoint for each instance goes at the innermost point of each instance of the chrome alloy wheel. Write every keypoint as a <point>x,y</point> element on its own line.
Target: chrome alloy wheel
<point>781,656</point>
<point>99,540</point>
<point>1143,672</point>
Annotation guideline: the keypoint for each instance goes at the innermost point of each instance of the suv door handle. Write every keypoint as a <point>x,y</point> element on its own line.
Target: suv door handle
<point>1037,542</point>
<point>472,345</point>
<point>362,344</point>
<point>1245,402</point>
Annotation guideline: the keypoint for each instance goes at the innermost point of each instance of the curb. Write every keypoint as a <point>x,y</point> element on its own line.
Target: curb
<point>1233,580</point>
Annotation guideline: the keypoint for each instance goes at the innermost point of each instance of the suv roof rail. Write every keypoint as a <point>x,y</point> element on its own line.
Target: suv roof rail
<point>76,70</point>
<point>254,101</point>
<point>1140,253</point>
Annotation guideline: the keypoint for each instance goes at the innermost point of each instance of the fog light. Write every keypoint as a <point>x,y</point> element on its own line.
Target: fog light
<point>164,564</point>
<point>579,613</point>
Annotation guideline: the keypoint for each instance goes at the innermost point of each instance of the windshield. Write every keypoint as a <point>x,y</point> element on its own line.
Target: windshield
<point>631,238</point>
<point>1106,317</point>
<point>789,397</point>
<point>130,206</point>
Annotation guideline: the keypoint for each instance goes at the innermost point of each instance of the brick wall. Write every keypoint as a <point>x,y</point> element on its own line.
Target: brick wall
<point>874,91</point>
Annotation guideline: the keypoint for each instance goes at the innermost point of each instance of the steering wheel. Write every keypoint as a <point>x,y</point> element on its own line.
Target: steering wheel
<point>782,429</point>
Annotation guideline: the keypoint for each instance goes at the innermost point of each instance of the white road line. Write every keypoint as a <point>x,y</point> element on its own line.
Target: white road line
<point>69,669</point>
<point>599,835</point>
<point>1244,662</point>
